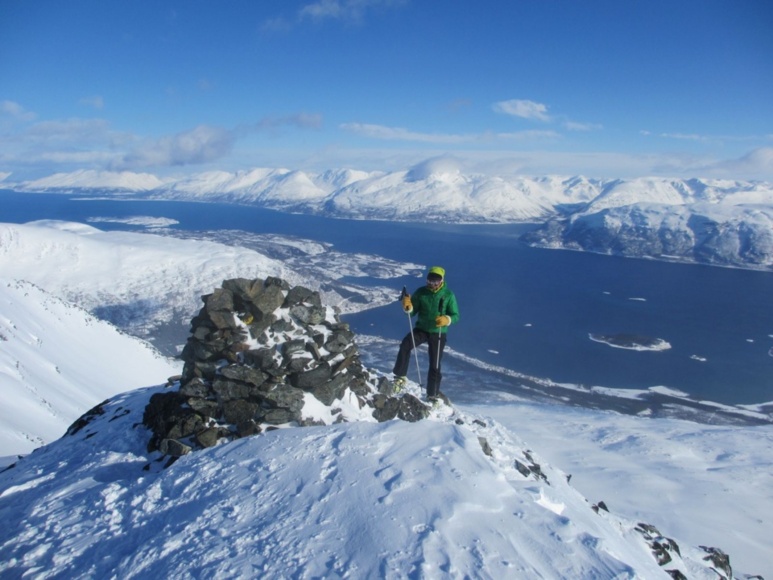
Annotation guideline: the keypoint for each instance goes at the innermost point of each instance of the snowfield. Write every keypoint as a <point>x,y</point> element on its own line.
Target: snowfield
<point>390,500</point>
<point>57,361</point>
<point>144,281</point>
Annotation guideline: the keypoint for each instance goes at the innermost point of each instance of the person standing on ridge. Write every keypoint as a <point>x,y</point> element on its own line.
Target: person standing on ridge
<point>436,309</point>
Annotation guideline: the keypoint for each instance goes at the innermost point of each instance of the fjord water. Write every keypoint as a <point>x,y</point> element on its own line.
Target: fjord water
<point>529,310</point>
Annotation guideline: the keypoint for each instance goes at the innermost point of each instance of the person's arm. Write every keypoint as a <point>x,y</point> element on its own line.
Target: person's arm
<point>452,308</point>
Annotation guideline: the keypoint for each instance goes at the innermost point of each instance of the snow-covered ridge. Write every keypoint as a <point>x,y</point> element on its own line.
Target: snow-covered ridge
<point>91,179</point>
<point>723,234</point>
<point>434,189</point>
<point>632,217</point>
<point>143,281</point>
<point>455,495</point>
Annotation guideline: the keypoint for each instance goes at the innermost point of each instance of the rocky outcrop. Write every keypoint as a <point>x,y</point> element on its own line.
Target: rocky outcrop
<point>262,354</point>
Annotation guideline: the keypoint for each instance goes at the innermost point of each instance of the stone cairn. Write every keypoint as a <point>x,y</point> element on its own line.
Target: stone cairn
<point>256,349</point>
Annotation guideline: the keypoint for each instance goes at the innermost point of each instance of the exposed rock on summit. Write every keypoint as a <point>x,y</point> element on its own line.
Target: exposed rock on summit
<point>262,354</point>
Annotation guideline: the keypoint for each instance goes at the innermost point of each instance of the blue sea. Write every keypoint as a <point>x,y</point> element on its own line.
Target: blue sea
<point>526,309</point>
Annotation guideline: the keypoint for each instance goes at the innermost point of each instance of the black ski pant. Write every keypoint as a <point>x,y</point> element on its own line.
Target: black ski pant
<point>437,343</point>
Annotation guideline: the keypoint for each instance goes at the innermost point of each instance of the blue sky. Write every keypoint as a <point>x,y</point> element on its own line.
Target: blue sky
<point>600,88</point>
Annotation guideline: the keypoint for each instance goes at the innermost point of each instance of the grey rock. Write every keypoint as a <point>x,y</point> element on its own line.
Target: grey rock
<point>301,295</point>
<point>313,378</point>
<point>308,314</point>
<point>228,390</point>
<point>244,374</point>
<point>208,437</point>
<point>279,416</point>
<point>173,448</point>
<point>239,411</point>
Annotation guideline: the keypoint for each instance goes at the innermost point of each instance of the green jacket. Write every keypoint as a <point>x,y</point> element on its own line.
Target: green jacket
<point>428,305</point>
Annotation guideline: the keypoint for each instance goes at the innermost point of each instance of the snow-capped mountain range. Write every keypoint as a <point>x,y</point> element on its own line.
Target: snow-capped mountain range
<point>713,221</point>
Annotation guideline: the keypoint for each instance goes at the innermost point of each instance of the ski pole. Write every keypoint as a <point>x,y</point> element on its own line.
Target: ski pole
<point>413,339</point>
<point>439,336</point>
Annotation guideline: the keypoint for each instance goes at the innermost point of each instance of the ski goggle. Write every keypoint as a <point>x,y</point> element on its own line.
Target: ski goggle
<point>434,282</point>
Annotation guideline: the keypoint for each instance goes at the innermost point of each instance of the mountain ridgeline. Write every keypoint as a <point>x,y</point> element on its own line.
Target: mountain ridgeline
<point>720,222</point>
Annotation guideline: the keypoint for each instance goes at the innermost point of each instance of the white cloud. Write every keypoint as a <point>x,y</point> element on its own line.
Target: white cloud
<point>756,164</point>
<point>441,165</point>
<point>532,110</point>
<point>322,9</point>
<point>300,120</point>
<point>70,130</point>
<point>401,134</point>
<point>91,142</point>
<point>713,139</point>
<point>200,145</point>
<point>524,109</point>
<point>16,111</point>
<point>95,101</point>
<point>349,10</point>
<point>575,126</point>
<point>685,136</point>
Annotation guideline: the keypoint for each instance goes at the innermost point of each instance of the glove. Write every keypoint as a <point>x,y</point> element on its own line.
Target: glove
<point>407,304</point>
<point>442,321</point>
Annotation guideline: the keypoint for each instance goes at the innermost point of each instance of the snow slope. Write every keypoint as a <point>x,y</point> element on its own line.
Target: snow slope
<point>366,500</point>
<point>143,276</point>
<point>132,278</point>
<point>57,361</point>
<point>115,181</point>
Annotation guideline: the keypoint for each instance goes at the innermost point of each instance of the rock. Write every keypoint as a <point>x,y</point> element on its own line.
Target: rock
<point>279,416</point>
<point>262,359</point>
<point>267,301</point>
<point>227,390</point>
<point>257,350</point>
<point>315,377</point>
<point>411,409</point>
<point>329,391</point>
<point>301,295</point>
<point>208,437</point>
<point>339,341</point>
<point>285,397</point>
<point>661,547</point>
<point>239,411</point>
<point>720,561</point>
<point>386,408</point>
<point>195,388</point>
<point>220,299</point>
<point>293,347</point>
<point>308,314</point>
<point>173,448</point>
<point>204,407</point>
<point>245,374</point>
